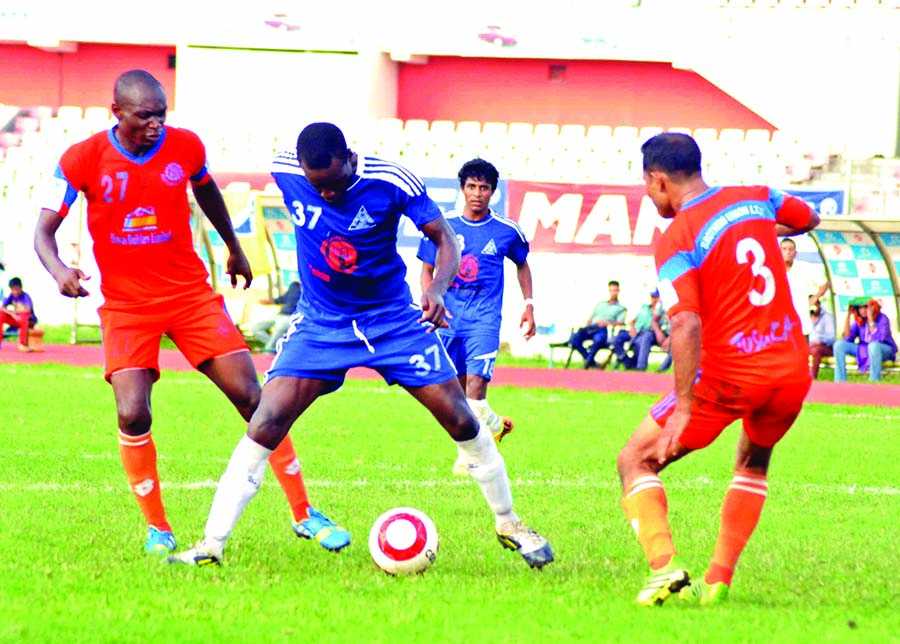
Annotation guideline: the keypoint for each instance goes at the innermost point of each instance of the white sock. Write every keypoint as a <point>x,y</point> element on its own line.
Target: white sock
<point>238,485</point>
<point>487,467</point>
<point>487,416</point>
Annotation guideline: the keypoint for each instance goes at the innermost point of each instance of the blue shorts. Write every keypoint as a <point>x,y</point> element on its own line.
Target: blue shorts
<point>474,355</point>
<point>397,346</point>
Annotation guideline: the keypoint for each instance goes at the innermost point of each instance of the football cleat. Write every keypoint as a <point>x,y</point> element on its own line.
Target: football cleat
<point>506,428</point>
<point>159,542</point>
<point>663,583</point>
<point>200,555</point>
<point>319,527</point>
<point>459,468</point>
<point>535,550</point>
<point>704,594</point>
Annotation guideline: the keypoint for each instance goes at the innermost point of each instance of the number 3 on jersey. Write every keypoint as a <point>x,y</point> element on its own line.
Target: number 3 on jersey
<point>749,251</point>
<point>298,215</point>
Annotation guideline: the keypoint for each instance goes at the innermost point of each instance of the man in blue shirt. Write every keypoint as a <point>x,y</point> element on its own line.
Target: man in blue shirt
<point>355,309</point>
<point>475,298</point>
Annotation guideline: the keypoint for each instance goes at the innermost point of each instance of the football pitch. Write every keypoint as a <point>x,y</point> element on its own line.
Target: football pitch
<point>822,566</point>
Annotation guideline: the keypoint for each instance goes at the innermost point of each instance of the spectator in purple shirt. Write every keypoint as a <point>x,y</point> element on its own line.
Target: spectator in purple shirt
<point>867,336</point>
<point>18,312</point>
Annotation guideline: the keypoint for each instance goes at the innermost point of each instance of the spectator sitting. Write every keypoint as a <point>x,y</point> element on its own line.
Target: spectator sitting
<point>641,334</point>
<point>268,331</point>
<point>867,336</point>
<point>607,314</point>
<point>821,336</point>
<point>18,313</point>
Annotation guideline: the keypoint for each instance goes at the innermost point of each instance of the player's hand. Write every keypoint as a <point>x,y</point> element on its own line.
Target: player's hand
<point>668,440</point>
<point>527,322</point>
<point>239,265</point>
<point>69,282</point>
<point>433,310</point>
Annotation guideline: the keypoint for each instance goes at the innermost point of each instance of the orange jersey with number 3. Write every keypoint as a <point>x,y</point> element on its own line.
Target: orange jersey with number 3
<point>720,258</point>
<point>138,214</point>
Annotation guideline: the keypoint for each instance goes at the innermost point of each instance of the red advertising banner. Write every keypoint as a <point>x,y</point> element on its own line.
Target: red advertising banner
<point>578,218</point>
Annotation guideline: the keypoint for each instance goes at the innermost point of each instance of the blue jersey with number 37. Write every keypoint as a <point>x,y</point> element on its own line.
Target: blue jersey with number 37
<point>347,251</point>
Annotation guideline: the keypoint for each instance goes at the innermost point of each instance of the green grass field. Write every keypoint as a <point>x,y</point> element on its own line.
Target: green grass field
<point>822,566</point>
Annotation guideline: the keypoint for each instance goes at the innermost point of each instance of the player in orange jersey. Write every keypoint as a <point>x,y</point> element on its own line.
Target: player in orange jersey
<point>134,178</point>
<point>738,349</point>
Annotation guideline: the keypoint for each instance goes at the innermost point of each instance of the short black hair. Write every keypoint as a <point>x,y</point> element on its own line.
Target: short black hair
<point>15,282</point>
<point>319,144</point>
<point>673,153</point>
<point>132,79</point>
<point>481,170</point>
<point>613,283</point>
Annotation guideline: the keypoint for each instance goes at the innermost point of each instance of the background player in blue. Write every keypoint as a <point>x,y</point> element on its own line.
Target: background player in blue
<point>357,310</point>
<point>475,297</point>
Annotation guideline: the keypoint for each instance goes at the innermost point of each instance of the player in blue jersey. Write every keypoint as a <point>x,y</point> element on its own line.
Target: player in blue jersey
<point>475,297</point>
<point>357,310</point>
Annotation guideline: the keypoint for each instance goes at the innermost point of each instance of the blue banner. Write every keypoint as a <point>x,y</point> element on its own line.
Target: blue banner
<point>825,202</point>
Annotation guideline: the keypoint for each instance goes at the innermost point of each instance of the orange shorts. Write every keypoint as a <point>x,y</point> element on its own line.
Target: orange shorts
<point>767,412</point>
<point>198,324</point>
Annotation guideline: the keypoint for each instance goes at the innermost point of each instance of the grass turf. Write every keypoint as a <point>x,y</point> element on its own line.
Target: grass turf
<point>821,566</point>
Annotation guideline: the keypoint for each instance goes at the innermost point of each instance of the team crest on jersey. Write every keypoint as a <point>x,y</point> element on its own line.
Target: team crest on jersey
<point>468,268</point>
<point>173,174</point>
<point>340,254</point>
<point>362,221</point>
<point>490,248</point>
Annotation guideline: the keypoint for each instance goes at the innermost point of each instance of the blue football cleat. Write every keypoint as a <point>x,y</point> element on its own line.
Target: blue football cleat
<point>319,527</point>
<point>159,542</point>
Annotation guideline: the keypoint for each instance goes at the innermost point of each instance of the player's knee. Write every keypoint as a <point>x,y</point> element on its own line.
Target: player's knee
<point>135,420</point>
<point>462,425</point>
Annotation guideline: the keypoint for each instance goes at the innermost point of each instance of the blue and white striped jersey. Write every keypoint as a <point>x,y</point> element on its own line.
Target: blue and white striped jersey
<point>475,297</point>
<point>347,252</point>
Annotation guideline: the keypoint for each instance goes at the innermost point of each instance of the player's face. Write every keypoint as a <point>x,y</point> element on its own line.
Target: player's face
<point>477,194</point>
<point>788,252</point>
<point>332,182</point>
<point>656,189</point>
<point>141,114</point>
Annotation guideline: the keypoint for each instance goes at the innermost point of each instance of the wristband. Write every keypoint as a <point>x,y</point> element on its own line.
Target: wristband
<point>528,301</point>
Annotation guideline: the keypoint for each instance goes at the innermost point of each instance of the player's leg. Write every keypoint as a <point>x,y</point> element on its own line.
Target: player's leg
<point>480,354</point>
<point>646,508</point>
<point>774,413</point>
<point>446,401</point>
<point>283,400</point>
<point>137,451</point>
<point>235,375</point>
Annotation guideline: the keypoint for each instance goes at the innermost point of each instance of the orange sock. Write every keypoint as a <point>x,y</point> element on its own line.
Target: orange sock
<point>647,510</point>
<point>740,513</point>
<point>138,455</point>
<point>287,470</point>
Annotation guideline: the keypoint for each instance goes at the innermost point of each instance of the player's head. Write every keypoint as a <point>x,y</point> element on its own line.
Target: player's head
<point>478,180</point>
<point>139,104</point>
<point>325,159</point>
<point>613,287</point>
<point>788,251</point>
<point>15,286</point>
<point>671,160</point>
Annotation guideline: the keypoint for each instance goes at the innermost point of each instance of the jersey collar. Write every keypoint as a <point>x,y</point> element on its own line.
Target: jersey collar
<point>142,159</point>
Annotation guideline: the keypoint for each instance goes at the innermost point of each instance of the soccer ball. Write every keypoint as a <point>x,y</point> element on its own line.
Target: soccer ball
<point>403,541</point>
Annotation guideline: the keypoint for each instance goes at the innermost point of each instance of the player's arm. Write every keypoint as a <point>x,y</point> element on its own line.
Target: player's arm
<point>446,265</point>
<point>68,279</point>
<point>523,274</point>
<point>427,276</point>
<point>210,200</point>
<point>685,347</point>
<point>793,216</point>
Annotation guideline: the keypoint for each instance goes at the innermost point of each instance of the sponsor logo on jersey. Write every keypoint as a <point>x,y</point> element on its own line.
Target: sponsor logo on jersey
<point>340,254</point>
<point>362,221</point>
<point>173,175</point>
<point>140,218</point>
<point>468,268</point>
<point>490,248</point>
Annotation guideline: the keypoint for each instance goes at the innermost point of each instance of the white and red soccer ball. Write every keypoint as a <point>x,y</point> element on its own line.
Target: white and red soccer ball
<point>403,541</point>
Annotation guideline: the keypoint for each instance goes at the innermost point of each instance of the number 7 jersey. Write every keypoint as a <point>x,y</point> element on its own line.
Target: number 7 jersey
<point>720,258</point>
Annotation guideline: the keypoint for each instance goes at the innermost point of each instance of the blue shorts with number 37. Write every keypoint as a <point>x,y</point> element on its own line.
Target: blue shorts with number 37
<point>394,344</point>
